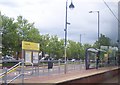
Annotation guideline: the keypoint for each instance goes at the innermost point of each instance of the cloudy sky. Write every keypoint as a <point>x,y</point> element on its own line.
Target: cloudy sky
<point>49,17</point>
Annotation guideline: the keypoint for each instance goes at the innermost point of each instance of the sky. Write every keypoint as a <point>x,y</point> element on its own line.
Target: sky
<point>49,17</point>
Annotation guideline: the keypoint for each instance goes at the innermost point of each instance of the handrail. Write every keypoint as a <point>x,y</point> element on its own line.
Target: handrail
<point>7,71</point>
<point>10,70</point>
<point>14,66</point>
<point>14,78</point>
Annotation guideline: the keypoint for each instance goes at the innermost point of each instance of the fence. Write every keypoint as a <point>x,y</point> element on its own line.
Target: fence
<point>6,72</point>
<point>44,68</point>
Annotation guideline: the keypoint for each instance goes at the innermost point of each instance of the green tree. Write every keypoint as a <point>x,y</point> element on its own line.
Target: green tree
<point>103,40</point>
<point>73,50</point>
<point>16,31</point>
<point>44,40</point>
<point>26,30</point>
<point>56,47</point>
<point>8,35</point>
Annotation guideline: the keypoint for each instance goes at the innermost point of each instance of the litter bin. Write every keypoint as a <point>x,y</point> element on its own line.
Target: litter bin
<point>50,64</point>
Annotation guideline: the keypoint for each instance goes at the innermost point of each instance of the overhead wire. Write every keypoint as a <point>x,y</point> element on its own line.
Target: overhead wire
<point>111,11</point>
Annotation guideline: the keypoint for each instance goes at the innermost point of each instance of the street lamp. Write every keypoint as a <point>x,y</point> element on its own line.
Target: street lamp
<point>71,6</point>
<point>98,21</point>
<point>98,37</point>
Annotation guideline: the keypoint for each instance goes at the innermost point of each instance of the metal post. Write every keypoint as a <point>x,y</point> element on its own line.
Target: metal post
<point>53,66</point>
<point>43,67</point>
<point>74,65</point>
<point>80,64</point>
<point>38,68</point>
<point>80,40</point>
<point>5,76</point>
<point>71,6</point>
<point>32,68</point>
<point>97,60</point>
<point>59,66</point>
<point>22,71</point>
<point>65,39</point>
<point>98,44</point>
<point>80,44</point>
<point>98,27</point>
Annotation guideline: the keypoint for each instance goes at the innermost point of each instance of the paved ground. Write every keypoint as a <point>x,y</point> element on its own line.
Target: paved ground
<point>65,77</point>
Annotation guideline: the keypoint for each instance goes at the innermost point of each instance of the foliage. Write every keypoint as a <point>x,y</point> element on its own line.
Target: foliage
<point>15,31</point>
<point>103,41</point>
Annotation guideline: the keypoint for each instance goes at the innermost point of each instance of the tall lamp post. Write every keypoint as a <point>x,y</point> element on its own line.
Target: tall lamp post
<point>71,6</point>
<point>98,22</point>
<point>97,60</point>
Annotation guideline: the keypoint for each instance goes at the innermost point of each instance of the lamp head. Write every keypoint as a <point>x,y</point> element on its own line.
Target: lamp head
<point>71,5</point>
<point>90,11</point>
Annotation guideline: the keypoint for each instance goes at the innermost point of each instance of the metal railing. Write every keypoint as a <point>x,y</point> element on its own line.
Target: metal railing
<point>58,67</point>
<point>12,69</point>
<point>43,69</point>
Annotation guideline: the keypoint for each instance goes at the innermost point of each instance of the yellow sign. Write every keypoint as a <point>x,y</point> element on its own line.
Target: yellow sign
<point>30,46</point>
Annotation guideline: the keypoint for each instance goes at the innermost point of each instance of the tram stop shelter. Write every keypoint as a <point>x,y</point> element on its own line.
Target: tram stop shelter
<point>92,57</point>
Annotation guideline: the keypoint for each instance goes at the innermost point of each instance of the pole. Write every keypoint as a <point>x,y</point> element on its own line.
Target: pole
<point>80,39</point>
<point>98,54</point>
<point>5,76</point>
<point>80,44</point>
<point>65,39</point>
<point>98,27</point>
<point>22,67</point>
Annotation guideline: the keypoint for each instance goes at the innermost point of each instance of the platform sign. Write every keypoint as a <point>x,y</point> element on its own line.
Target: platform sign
<point>28,56</point>
<point>30,52</point>
<point>30,46</point>
<point>35,57</point>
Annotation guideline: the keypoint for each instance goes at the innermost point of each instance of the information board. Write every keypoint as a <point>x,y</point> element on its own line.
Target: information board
<point>35,57</point>
<point>30,46</point>
<point>28,56</point>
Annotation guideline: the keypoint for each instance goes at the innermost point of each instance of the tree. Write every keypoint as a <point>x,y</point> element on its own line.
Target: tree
<point>8,35</point>
<point>26,30</point>
<point>56,47</point>
<point>44,40</point>
<point>103,40</point>
<point>73,50</point>
<point>15,32</point>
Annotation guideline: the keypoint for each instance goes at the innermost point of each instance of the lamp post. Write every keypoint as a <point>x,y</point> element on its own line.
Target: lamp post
<point>66,23</point>
<point>98,21</point>
<point>97,60</point>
